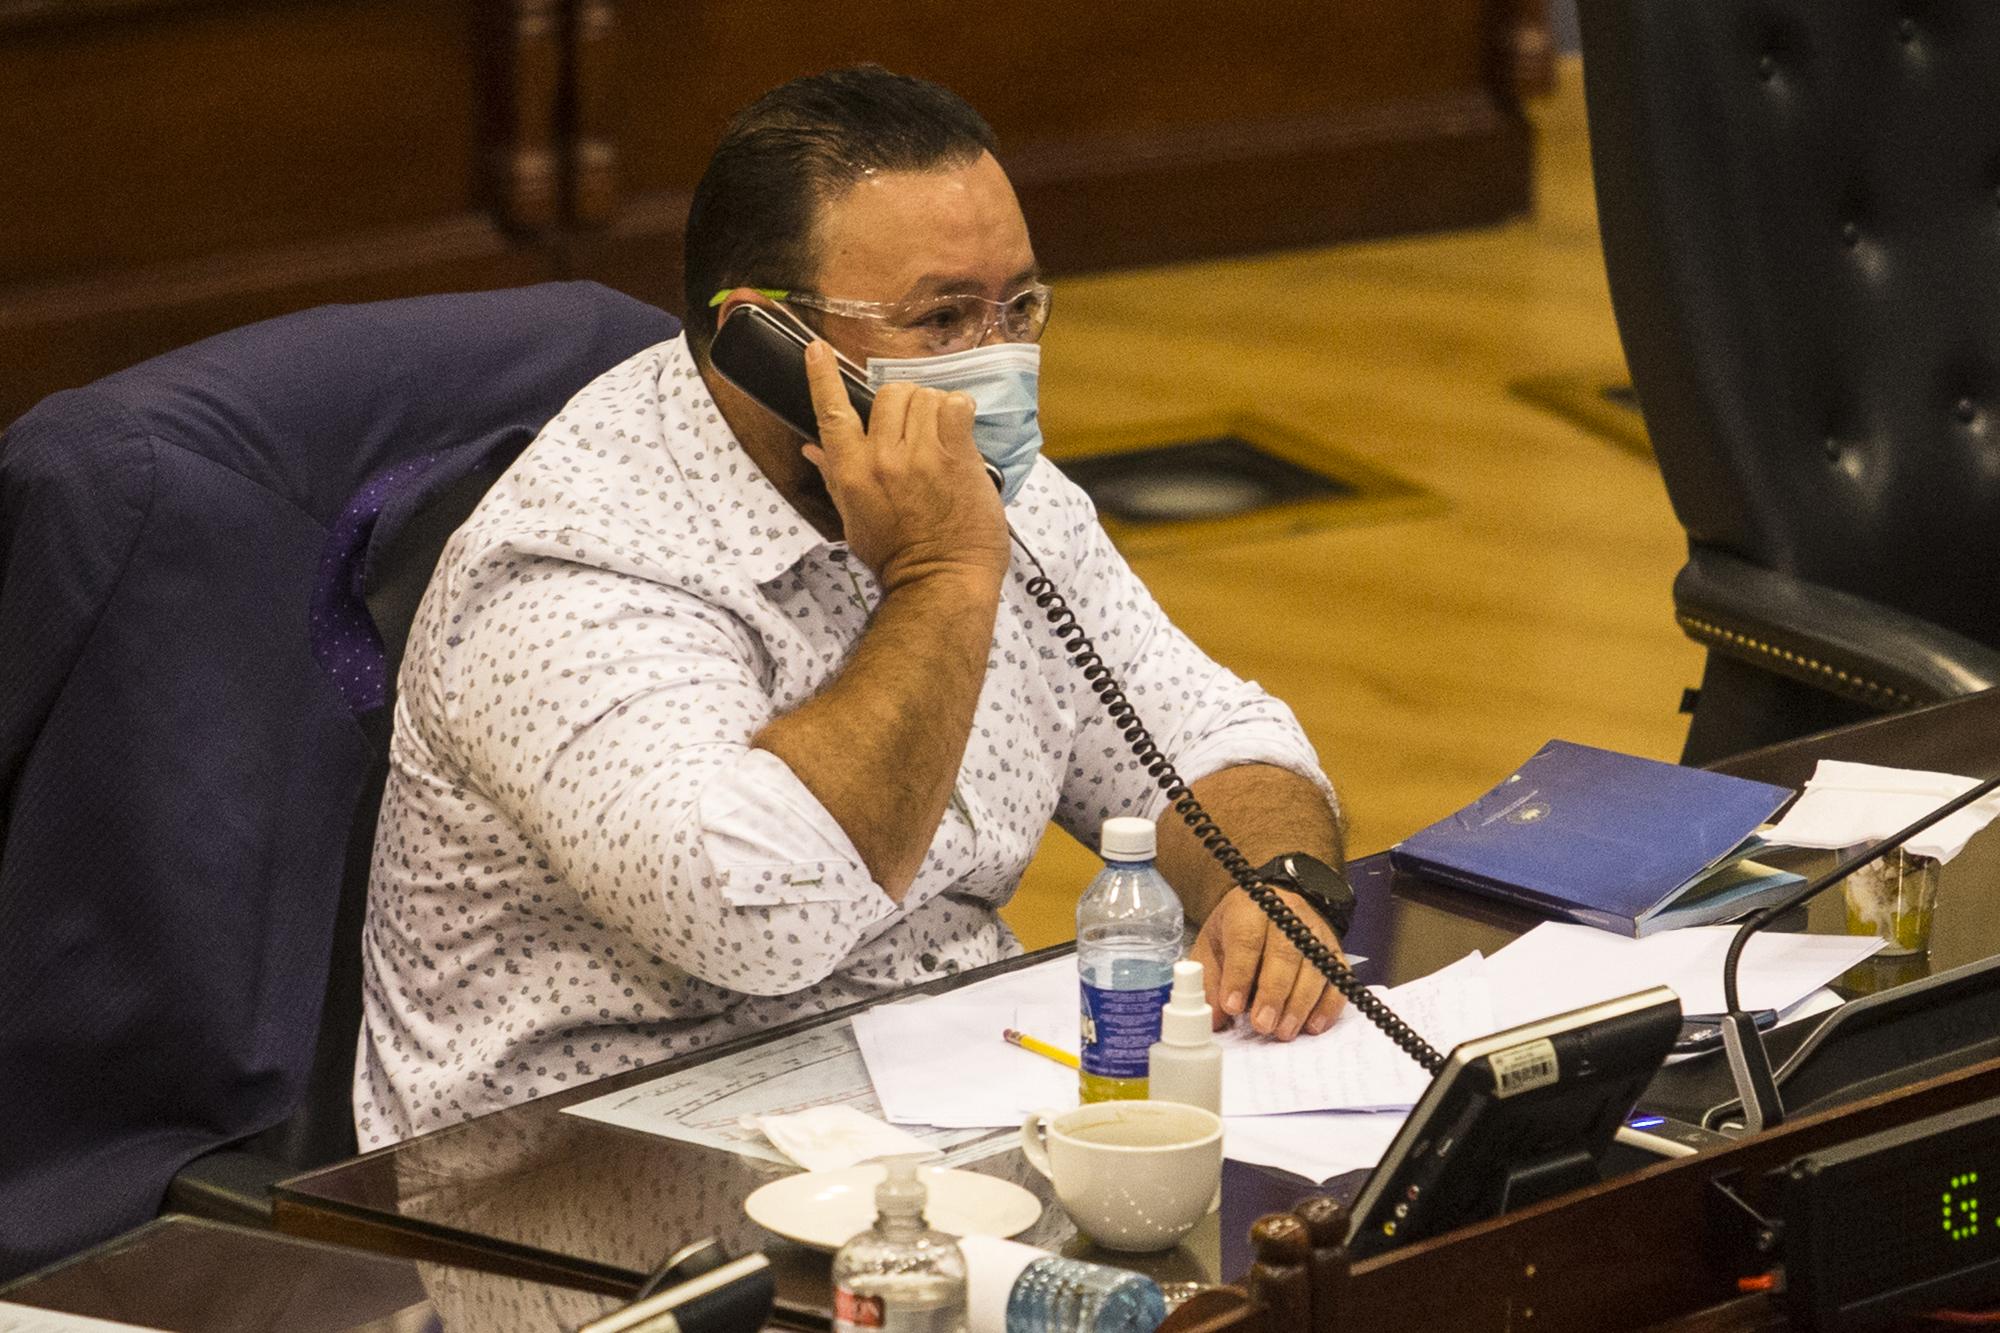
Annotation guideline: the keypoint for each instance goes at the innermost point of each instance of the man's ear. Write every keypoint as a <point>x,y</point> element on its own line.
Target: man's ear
<point>739,296</point>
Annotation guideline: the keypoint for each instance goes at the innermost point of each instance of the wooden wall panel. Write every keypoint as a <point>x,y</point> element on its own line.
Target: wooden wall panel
<point>1140,132</point>
<point>232,127</point>
<point>169,168</point>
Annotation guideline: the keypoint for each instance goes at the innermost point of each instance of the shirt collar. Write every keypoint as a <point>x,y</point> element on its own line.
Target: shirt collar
<point>755,525</point>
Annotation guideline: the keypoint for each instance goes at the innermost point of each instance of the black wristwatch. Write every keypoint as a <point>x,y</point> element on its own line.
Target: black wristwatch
<point>1315,881</point>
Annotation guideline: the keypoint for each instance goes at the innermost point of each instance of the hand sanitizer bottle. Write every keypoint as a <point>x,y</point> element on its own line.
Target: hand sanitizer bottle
<point>1185,1065</point>
<point>1128,934</point>
<point>899,1276</point>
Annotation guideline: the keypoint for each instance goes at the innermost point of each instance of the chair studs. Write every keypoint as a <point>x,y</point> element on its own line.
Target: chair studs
<point>1707,631</point>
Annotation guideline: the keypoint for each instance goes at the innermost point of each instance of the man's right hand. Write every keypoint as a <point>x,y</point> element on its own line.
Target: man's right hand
<point>913,494</point>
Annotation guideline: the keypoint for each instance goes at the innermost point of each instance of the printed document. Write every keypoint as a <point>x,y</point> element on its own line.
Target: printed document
<point>1353,1066</point>
<point>716,1104</point>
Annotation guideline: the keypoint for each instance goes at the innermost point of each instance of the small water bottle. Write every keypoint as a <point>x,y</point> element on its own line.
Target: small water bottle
<point>899,1276</point>
<point>1128,935</point>
<point>1019,1289</point>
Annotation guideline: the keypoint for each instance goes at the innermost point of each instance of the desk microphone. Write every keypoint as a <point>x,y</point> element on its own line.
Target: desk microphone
<point>1749,1061</point>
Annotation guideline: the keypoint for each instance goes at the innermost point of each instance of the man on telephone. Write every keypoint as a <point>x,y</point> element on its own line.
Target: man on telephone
<point>703,727</point>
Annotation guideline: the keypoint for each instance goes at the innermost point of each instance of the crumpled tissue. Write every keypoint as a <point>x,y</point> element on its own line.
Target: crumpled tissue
<point>826,1138</point>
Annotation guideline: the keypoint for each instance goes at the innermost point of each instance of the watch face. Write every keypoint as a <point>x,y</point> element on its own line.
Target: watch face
<point>1326,887</point>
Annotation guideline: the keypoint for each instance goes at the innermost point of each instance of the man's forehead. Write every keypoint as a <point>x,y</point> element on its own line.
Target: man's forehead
<point>950,284</point>
<point>924,233</point>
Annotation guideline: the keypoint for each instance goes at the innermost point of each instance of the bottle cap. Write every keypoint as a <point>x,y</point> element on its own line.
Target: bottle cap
<point>900,1194</point>
<point>1127,839</point>
<point>1185,1021</point>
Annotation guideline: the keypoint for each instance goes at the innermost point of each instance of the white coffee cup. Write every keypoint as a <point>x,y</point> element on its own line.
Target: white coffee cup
<point>1131,1175</point>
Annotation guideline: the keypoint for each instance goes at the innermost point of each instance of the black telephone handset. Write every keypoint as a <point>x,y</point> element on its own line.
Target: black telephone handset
<point>763,354</point>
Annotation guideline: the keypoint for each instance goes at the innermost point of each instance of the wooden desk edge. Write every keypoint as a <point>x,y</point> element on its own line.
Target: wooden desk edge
<point>323,1221</point>
<point>1639,1249</point>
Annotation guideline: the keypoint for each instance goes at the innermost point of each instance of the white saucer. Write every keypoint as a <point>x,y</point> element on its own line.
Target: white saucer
<point>824,1209</point>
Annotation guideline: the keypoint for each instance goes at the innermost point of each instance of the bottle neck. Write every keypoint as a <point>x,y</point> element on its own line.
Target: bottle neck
<point>1187,1029</point>
<point>1128,863</point>
<point>899,1224</point>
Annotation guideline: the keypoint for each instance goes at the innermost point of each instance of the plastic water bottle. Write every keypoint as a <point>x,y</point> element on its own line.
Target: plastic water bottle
<point>1018,1289</point>
<point>899,1276</point>
<point>1128,936</point>
<point>1057,1295</point>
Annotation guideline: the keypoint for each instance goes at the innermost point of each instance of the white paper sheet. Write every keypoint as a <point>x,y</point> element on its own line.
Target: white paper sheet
<point>1318,1145</point>
<point>1352,1066</point>
<point>28,1319</point>
<point>1847,804</point>
<point>943,1061</point>
<point>1559,966</point>
<point>940,1060</point>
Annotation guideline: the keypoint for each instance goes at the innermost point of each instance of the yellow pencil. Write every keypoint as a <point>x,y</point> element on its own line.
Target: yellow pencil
<point>1041,1048</point>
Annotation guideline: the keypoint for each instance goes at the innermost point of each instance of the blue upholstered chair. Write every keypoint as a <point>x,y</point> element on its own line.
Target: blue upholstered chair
<point>193,725</point>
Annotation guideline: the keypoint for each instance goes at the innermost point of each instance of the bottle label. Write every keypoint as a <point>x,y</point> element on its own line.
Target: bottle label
<point>1119,1027</point>
<point>853,1312</point>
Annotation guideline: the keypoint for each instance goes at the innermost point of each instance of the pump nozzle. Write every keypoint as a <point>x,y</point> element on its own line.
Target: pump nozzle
<point>1185,1021</point>
<point>901,1194</point>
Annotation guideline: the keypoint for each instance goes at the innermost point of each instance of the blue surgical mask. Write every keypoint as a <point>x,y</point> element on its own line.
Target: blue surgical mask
<point>1004,380</point>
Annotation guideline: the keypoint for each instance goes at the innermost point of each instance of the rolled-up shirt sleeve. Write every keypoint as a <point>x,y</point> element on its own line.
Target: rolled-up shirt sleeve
<point>1203,717</point>
<point>613,726</point>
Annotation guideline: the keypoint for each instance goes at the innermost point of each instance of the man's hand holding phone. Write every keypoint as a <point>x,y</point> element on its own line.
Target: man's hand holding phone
<point>913,494</point>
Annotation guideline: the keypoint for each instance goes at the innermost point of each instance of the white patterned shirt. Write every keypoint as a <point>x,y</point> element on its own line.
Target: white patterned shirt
<point>583,866</point>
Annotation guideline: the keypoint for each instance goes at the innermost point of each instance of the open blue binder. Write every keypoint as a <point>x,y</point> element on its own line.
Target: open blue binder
<point>1631,845</point>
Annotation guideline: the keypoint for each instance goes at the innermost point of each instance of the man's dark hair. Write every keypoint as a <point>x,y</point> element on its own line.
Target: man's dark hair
<point>797,147</point>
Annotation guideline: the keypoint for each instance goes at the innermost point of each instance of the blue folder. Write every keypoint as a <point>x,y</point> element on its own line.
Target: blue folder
<point>1631,845</point>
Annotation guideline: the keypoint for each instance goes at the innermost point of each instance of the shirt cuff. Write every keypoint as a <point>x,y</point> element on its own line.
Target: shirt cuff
<point>1263,732</point>
<point>770,843</point>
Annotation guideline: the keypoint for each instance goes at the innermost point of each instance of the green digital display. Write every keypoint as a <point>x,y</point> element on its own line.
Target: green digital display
<point>1889,1223</point>
<point>1960,1211</point>
<point>1928,1197</point>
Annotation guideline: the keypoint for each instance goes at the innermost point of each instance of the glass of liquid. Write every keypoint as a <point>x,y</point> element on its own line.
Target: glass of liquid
<point>1895,898</point>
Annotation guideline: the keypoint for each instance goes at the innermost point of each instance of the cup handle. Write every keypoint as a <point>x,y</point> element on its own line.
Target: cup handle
<point>1034,1145</point>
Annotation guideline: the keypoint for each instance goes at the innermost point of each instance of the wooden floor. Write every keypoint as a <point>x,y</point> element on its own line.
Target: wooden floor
<point>1425,657</point>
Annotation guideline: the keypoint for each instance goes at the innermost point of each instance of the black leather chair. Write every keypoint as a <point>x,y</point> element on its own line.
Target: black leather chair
<point>208,563</point>
<point>1800,207</point>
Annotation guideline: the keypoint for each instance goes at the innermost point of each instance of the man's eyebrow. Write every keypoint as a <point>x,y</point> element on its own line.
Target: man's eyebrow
<point>942,284</point>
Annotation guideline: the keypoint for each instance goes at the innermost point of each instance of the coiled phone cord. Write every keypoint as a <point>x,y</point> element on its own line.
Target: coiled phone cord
<point>1084,656</point>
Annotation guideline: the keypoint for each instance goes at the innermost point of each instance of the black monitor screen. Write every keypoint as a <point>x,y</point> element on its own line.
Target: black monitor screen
<point>1515,1118</point>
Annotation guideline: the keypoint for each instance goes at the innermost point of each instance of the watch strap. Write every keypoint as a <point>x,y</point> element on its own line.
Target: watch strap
<point>1312,879</point>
